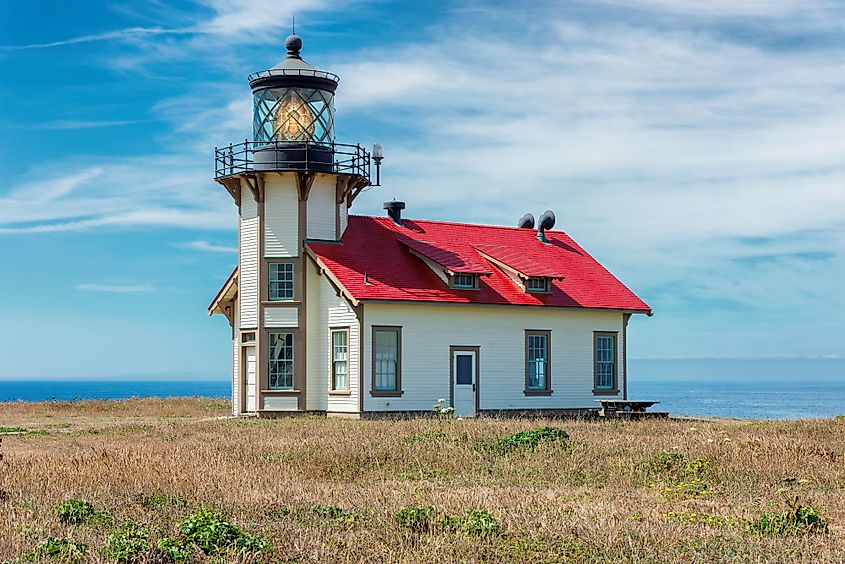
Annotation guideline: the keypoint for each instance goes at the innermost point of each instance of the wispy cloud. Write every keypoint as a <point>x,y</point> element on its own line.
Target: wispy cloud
<point>86,124</point>
<point>121,34</point>
<point>205,246</point>
<point>117,288</point>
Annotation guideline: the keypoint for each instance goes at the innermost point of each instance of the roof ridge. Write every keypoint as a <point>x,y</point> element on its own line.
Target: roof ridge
<point>484,225</point>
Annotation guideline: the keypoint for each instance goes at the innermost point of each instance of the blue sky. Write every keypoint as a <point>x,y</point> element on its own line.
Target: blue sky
<point>695,148</point>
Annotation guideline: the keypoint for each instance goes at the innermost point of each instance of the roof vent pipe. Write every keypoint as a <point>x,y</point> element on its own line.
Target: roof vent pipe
<point>394,210</point>
<point>547,221</point>
<point>526,221</point>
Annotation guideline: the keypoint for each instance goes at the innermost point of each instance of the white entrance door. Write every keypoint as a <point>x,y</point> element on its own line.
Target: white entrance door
<point>249,378</point>
<point>463,382</point>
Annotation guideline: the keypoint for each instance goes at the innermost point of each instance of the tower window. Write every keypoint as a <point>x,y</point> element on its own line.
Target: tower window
<point>281,361</point>
<point>281,281</point>
<point>465,281</point>
<point>537,284</point>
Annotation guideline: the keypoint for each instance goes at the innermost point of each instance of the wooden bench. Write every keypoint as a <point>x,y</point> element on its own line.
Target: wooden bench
<point>628,408</point>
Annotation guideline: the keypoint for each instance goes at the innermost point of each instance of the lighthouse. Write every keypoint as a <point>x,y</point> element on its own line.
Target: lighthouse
<point>291,183</point>
<point>381,316</point>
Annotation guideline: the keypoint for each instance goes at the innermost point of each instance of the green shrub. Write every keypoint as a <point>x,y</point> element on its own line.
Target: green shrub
<point>480,522</point>
<point>533,437</point>
<point>418,519</point>
<point>64,549</point>
<point>74,511</point>
<point>667,462</point>
<point>213,533</point>
<point>174,549</point>
<point>130,542</point>
<point>4,430</point>
<point>798,520</point>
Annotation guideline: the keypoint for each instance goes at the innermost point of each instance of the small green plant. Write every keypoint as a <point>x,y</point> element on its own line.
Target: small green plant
<point>532,438</point>
<point>74,511</point>
<point>667,462</point>
<point>418,519</point>
<point>213,533</point>
<point>431,435</point>
<point>174,549</point>
<point>4,430</point>
<point>442,410</point>
<point>128,543</point>
<point>64,549</point>
<point>796,519</point>
<point>480,522</point>
<point>333,514</point>
<point>840,417</point>
<point>158,499</point>
<point>686,489</point>
<point>693,517</point>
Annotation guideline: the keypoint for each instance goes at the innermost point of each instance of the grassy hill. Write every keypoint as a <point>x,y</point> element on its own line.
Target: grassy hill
<point>159,480</point>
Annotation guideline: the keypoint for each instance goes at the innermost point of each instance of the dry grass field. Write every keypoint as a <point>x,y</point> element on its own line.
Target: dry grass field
<point>171,479</point>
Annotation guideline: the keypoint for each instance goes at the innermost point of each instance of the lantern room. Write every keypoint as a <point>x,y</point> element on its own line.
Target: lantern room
<point>293,101</point>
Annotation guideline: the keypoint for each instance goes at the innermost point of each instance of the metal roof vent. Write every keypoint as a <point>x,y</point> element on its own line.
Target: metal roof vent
<point>526,221</point>
<point>547,221</point>
<point>394,210</point>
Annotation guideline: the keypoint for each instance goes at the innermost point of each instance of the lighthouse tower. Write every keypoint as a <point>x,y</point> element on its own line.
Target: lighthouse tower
<point>292,183</point>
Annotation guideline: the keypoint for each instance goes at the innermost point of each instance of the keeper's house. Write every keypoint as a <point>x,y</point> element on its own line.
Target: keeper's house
<point>352,315</point>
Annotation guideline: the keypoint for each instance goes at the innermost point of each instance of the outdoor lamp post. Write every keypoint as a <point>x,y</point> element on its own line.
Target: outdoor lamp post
<point>378,156</point>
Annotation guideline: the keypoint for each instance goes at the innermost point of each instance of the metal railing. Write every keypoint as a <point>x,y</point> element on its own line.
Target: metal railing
<point>252,156</point>
<point>294,72</point>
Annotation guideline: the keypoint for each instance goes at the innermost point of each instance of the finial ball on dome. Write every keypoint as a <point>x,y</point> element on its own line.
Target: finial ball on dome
<point>293,44</point>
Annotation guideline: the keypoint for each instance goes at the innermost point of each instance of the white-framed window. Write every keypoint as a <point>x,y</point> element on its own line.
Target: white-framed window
<point>605,355</point>
<point>465,281</point>
<point>340,359</point>
<point>537,284</point>
<point>537,362</point>
<point>387,360</point>
<point>281,281</point>
<point>281,361</point>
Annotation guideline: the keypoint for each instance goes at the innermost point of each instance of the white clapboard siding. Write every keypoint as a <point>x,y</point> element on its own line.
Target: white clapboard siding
<point>321,208</point>
<point>344,218</point>
<point>248,267</point>
<point>236,379</point>
<point>287,316</point>
<point>326,310</point>
<point>281,210</point>
<point>499,331</point>
<point>279,403</point>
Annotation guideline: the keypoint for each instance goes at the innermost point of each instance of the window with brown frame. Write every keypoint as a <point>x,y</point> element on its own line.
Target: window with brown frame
<point>340,360</point>
<point>387,361</point>
<point>538,361</point>
<point>605,363</point>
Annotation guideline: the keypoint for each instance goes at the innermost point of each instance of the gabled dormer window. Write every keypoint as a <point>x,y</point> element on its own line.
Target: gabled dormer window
<point>464,281</point>
<point>537,284</point>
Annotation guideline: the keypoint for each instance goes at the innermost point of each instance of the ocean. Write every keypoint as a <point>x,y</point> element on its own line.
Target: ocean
<point>753,389</point>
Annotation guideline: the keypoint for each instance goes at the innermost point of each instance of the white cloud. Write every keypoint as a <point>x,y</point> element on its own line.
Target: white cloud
<point>117,288</point>
<point>206,247</point>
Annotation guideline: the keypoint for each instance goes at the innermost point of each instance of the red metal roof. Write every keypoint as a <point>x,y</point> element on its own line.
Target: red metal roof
<point>378,248</point>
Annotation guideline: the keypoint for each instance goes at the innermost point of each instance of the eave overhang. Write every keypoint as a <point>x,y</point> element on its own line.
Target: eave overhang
<point>225,298</point>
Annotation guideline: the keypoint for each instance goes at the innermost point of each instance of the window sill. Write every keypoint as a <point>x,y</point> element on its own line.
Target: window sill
<point>377,394</point>
<point>538,392</point>
<point>605,392</point>
<point>281,303</point>
<point>270,391</point>
<point>340,393</point>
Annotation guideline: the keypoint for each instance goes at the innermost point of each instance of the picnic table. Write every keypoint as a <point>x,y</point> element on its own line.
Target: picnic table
<point>612,407</point>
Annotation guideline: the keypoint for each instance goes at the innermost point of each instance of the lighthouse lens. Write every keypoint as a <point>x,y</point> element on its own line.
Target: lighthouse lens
<point>301,115</point>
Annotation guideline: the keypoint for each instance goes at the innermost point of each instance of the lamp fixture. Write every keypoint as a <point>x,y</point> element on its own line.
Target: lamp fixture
<point>378,156</point>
